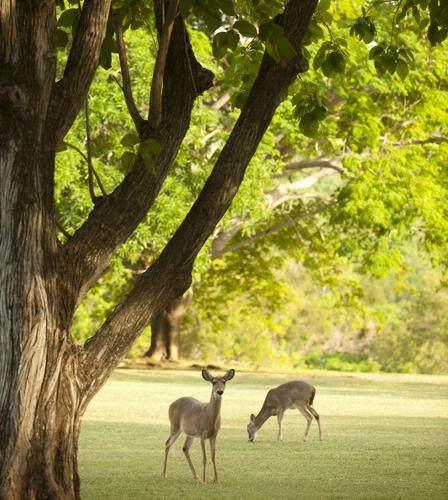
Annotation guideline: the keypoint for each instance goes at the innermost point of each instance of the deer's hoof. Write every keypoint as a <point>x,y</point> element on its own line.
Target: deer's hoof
<point>215,481</point>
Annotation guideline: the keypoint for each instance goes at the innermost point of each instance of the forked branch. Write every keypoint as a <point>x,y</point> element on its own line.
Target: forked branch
<point>91,171</point>
<point>111,222</point>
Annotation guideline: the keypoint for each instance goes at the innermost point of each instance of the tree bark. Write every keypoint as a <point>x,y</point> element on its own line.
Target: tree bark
<point>40,397</point>
<point>40,402</point>
<point>165,330</point>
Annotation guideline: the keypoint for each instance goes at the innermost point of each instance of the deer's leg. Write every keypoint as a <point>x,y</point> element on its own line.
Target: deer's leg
<point>280,414</point>
<point>309,419</point>
<point>174,434</point>
<point>204,458</point>
<point>316,416</point>
<point>213,453</point>
<point>186,450</point>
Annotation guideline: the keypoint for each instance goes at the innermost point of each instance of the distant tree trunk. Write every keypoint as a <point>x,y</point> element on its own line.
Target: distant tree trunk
<point>165,330</point>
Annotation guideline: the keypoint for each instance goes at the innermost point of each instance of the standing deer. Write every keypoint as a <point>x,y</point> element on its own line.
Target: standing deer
<point>197,419</point>
<point>298,395</point>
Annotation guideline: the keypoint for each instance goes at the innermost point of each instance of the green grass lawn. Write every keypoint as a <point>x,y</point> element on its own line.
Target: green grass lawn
<point>385,436</point>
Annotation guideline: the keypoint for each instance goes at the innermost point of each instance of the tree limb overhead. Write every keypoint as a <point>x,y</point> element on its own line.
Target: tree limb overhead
<point>70,92</point>
<point>170,275</point>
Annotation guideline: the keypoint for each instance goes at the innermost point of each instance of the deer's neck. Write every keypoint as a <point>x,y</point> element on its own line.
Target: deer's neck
<point>214,407</point>
<point>261,418</point>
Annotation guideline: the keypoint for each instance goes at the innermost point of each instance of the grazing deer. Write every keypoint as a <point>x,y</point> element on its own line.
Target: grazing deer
<point>298,395</point>
<point>197,419</point>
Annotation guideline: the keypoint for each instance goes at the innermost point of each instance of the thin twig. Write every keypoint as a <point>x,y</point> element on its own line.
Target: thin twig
<point>126,87</point>
<point>95,173</point>
<point>89,153</point>
<point>273,229</point>
<point>155,106</point>
<point>63,231</point>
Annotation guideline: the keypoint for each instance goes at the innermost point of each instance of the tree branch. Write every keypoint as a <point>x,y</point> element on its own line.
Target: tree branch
<point>298,166</point>
<point>437,139</point>
<point>170,275</point>
<point>126,87</point>
<point>155,105</point>
<point>84,156</point>
<point>272,230</point>
<point>222,101</point>
<point>89,154</point>
<point>70,92</point>
<point>113,221</point>
<point>290,190</point>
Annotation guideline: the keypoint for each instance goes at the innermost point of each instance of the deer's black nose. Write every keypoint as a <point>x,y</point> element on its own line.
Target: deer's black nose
<point>220,392</point>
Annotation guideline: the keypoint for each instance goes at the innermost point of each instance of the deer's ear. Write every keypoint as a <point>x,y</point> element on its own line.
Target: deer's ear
<point>206,375</point>
<point>229,375</point>
<point>252,417</point>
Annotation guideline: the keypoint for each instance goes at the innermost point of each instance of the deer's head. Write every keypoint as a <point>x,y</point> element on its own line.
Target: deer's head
<point>219,383</point>
<point>252,429</point>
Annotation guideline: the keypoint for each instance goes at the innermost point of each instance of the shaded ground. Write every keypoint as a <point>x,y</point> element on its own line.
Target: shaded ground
<point>385,436</point>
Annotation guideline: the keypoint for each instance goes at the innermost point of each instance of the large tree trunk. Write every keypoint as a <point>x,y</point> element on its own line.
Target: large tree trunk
<point>39,395</point>
<point>39,460</point>
<point>165,330</point>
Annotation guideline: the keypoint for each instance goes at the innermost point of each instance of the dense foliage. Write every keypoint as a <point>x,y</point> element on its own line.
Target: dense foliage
<point>351,172</point>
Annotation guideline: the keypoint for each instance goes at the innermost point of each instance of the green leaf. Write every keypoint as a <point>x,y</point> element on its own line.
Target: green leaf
<point>402,69</point>
<point>62,38</point>
<point>130,140</point>
<point>433,34</point>
<point>272,50</point>
<point>246,28</point>
<point>320,112</point>
<point>149,162</point>
<point>285,49</point>
<point>233,39</point>
<point>324,5</point>
<point>219,45</point>
<point>127,160</point>
<point>227,7</point>
<point>153,145</point>
<point>337,61</point>
<point>309,125</point>
<point>105,56</point>
<point>185,7</point>
<point>67,17</point>
<point>319,58</point>
<point>375,51</point>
